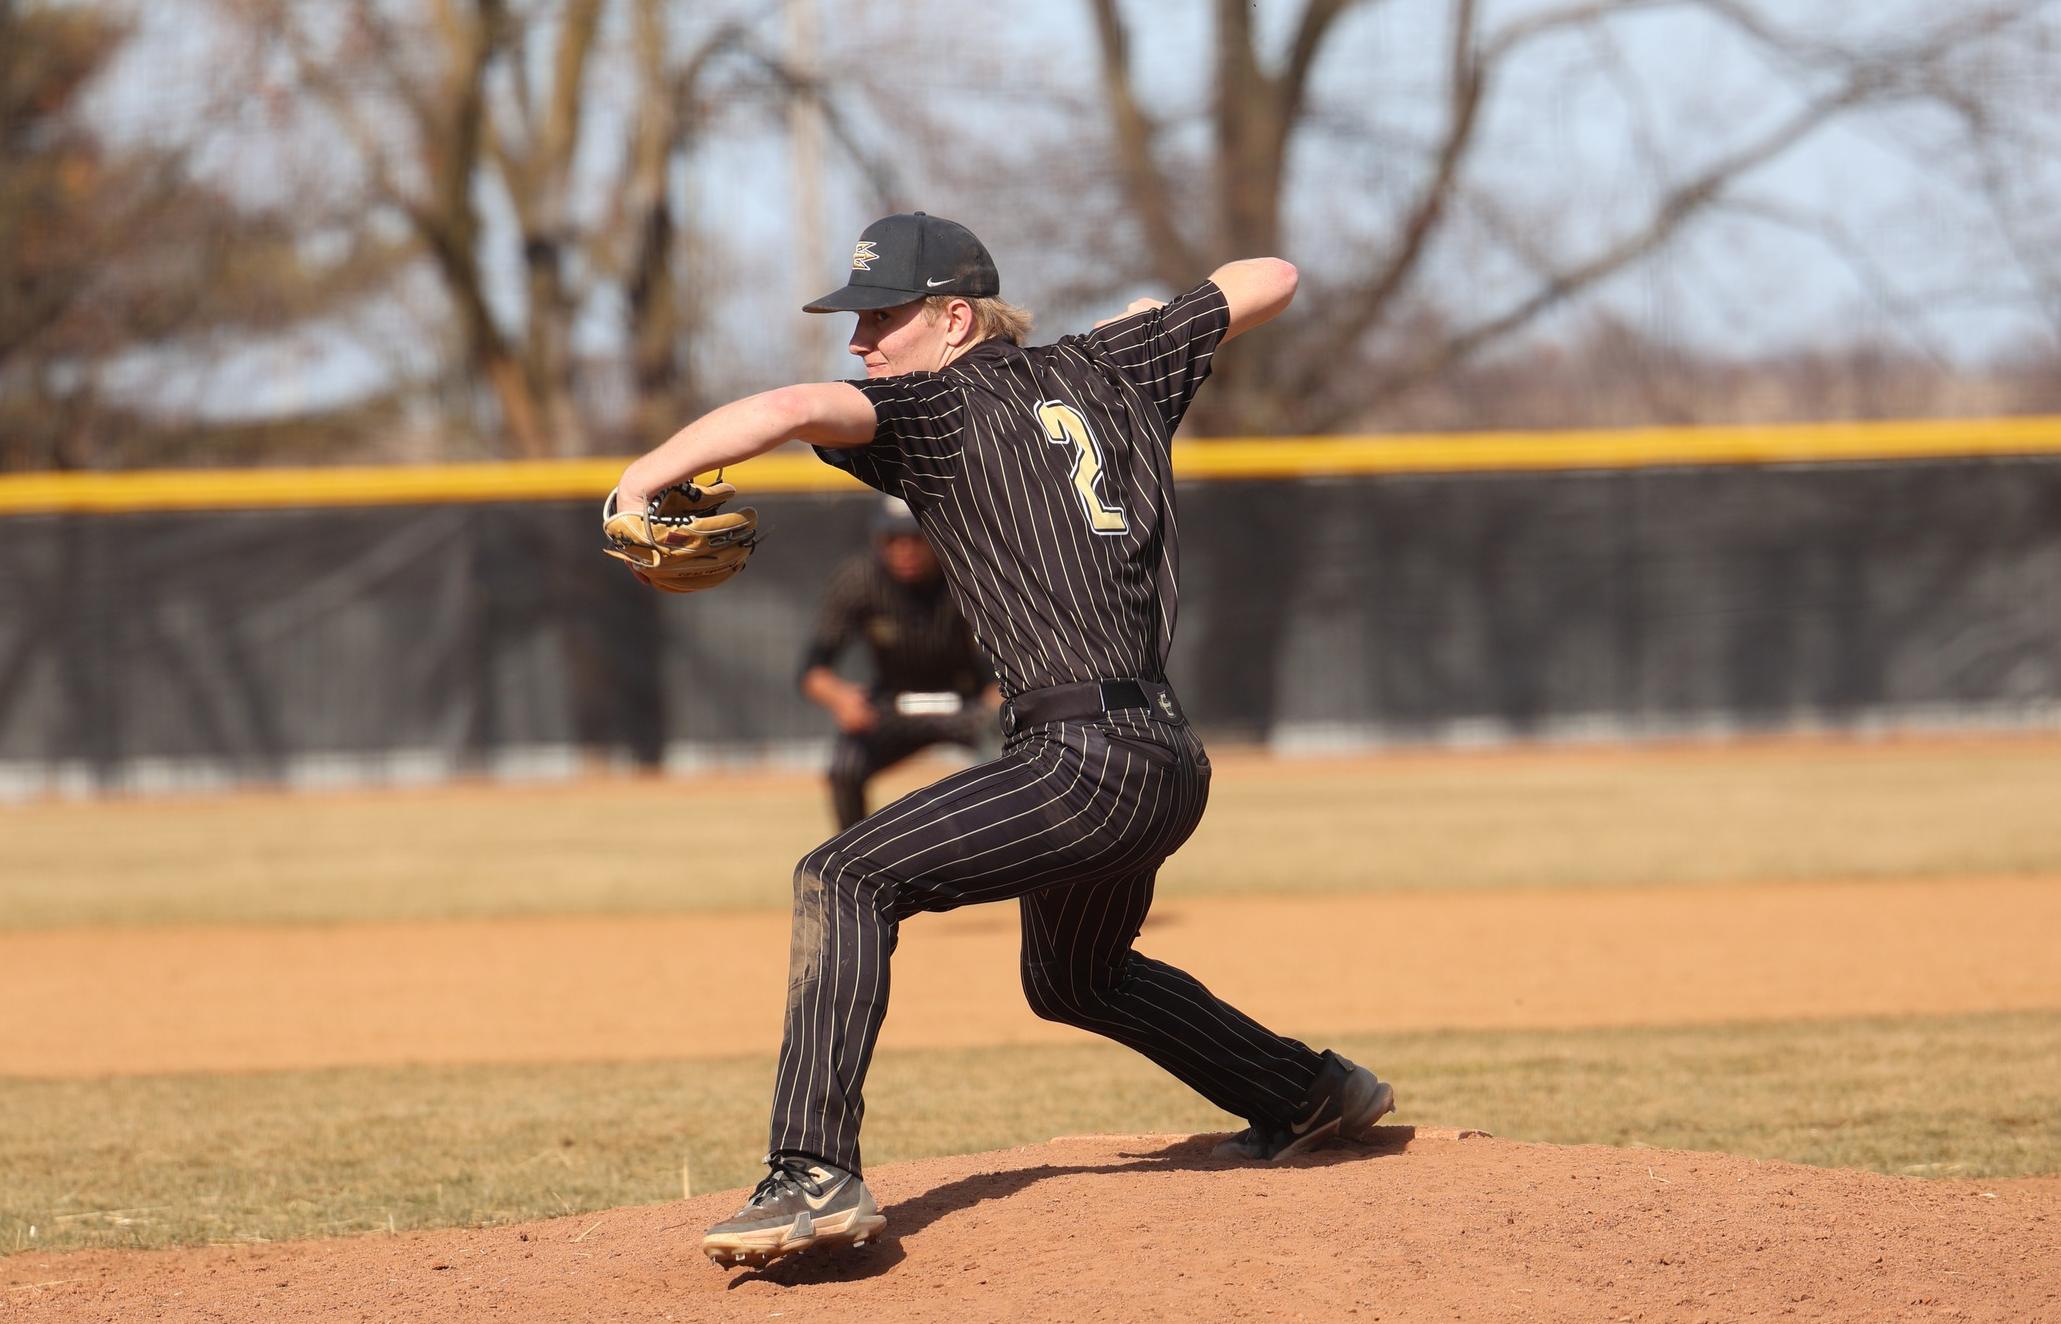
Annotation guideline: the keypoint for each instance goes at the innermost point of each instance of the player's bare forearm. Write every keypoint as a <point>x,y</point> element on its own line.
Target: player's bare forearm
<point>823,413</point>
<point>822,686</point>
<point>846,702</point>
<point>1257,289</point>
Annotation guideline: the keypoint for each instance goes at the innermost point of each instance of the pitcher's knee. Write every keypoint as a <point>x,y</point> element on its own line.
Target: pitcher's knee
<point>1047,1001</point>
<point>1061,993</point>
<point>817,873</point>
<point>830,879</point>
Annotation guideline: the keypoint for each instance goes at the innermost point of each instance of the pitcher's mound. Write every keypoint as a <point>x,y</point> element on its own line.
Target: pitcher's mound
<point>1425,1225</point>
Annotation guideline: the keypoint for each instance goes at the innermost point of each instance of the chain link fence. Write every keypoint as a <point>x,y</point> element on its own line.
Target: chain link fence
<point>177,650</point>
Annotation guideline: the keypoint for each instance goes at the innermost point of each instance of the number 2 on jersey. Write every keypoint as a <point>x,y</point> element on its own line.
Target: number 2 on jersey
<point>1064,426</point>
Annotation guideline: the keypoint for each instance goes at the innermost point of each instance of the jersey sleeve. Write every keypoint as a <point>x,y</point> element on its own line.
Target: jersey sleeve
<point>1166,351</point>
<point>916,438</point>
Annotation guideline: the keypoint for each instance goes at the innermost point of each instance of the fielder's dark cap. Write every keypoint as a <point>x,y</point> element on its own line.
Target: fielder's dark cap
<point>911,256</point>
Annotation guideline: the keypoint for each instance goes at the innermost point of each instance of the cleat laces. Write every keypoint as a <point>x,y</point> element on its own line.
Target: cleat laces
<point>789,1173</point>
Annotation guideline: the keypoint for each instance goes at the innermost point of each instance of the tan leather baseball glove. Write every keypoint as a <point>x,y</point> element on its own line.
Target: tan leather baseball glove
<point>680,542</point>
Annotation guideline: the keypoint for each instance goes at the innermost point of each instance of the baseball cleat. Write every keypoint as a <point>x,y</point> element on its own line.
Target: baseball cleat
<point>801,1203</point>
<point>1345,1103</point>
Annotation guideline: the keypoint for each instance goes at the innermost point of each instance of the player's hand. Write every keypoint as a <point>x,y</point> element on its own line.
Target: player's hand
<point>853,712</point>
<point>1136,306</point>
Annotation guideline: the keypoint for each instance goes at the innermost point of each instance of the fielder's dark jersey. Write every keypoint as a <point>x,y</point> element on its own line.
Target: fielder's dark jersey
<point>917,639</point>
<point>1043,478</point>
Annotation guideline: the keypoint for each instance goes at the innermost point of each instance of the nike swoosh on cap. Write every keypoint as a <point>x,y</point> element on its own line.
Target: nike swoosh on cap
<point>933,284</point>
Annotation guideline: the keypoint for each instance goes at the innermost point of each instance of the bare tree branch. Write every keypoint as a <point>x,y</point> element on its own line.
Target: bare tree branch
<point>1467,83</point>
<point>1907,315</point>
<point>1882,79</point>
<point>1681,205</point>
<point>561,131</point>
<point>1524,31</point>
<point>1143,183</point>
<point>346,106</point>
<point>450,225</point>
<point>875,167</point>
<point>2034,261</point>
<point>1310,32</point>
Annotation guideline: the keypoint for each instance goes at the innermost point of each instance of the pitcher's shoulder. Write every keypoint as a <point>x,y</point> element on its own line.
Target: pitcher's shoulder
<point>1006,372</point>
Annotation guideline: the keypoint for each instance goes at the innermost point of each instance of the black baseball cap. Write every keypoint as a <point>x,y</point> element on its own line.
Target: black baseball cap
<point>911,256</point>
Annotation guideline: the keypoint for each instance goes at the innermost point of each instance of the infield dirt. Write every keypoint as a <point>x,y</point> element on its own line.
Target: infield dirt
<point>628,988</point>
<point>1150,1227</point>
<point>1122,1228</point>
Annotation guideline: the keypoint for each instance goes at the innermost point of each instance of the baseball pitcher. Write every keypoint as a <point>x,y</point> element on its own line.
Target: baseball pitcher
<point>1042,476</point>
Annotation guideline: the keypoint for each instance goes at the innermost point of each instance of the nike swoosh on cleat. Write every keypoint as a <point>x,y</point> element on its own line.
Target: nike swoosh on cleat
<point>821,1202</point>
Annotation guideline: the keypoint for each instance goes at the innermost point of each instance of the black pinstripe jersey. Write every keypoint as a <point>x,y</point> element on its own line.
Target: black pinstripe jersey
<point>915,637</point>
<point>1042,476</point>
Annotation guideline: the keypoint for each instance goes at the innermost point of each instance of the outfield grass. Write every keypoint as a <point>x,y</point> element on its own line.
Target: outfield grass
<point>1527,818</point>
<point>184,1159</point>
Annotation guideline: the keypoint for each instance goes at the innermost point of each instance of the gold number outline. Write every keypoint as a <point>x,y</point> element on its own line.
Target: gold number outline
<point>1064,425</point>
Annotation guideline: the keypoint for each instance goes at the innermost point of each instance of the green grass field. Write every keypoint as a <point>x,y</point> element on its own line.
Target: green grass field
<point>180,1159</point>
<point>1526,819</point>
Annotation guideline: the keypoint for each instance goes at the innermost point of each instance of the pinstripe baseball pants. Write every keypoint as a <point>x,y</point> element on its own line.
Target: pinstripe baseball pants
<point>1074,820</point>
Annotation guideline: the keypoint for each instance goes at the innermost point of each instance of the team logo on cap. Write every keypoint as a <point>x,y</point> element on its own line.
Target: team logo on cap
<point>863,255</point>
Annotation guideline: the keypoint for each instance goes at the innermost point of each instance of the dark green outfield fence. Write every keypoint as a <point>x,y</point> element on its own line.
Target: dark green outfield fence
<point>144,645</point>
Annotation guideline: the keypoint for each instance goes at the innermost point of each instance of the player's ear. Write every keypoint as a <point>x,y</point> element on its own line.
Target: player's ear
<point>958,322</point>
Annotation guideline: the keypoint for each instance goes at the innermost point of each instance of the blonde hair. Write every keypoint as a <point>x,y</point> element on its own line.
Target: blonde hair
<point>992,318</point>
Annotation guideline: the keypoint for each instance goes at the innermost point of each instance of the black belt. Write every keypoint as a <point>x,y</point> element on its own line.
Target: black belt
<point>1089,698</point>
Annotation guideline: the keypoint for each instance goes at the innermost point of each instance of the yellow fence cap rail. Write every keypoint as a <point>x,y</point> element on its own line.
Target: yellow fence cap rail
<point>369,485</point>
<point>796,470</point>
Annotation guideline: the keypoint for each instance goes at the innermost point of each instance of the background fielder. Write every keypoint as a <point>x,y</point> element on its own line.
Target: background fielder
<point>1042,477</point>
<point>929,684</point>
